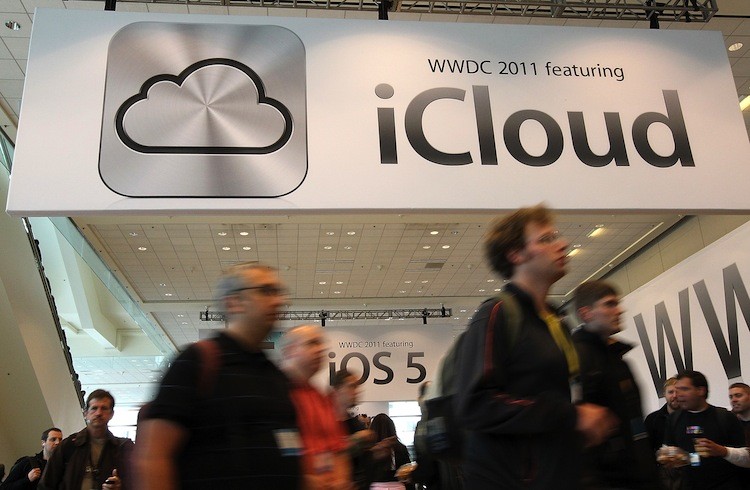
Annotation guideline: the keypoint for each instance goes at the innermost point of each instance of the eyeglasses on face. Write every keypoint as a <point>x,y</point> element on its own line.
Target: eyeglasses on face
<point>266,290</point>
<point>549,238</point>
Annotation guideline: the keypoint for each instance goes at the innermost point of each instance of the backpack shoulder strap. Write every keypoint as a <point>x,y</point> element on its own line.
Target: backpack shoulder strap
<point>512,312</point>
<point>210,362</point>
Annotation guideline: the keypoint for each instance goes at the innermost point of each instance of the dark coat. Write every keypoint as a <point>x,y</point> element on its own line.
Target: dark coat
<point>18,476</point>
<point>514,401</point>
<point>626,459</point>
<point>66,467</point>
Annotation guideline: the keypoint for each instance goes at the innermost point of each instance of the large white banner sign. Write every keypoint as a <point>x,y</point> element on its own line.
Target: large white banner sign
<point>391,362</point>
<point>136,112</point>
<point>694,316</point>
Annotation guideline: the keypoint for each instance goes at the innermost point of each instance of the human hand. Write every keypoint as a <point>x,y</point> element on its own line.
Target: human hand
<point>596,423</point>
<point>708,448</point>
<point>113,482</point>
<point>34,474</point>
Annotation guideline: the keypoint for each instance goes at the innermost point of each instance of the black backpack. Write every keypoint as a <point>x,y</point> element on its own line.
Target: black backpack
<point>442,434</point>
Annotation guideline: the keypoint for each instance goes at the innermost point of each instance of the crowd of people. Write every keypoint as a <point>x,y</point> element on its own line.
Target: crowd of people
<point>538,406</point>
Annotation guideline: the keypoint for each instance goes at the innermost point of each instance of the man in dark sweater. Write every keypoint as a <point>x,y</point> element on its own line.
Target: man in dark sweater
<point>26,471</point>
<point>699,420</point>
<point>625,460</point>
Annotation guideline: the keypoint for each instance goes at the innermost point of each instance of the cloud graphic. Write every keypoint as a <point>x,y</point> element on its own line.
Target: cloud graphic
<point>215,106</point>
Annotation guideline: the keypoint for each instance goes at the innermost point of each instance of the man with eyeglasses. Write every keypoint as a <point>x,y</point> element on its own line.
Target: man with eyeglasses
<point>517,370</point>
<point>223,417</point>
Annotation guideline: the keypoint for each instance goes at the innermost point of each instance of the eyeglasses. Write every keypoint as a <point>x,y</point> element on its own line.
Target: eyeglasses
<point>266,290</point>
<point>549,238</point>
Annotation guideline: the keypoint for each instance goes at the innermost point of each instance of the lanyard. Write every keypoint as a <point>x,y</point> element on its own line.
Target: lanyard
<point>563,342</point>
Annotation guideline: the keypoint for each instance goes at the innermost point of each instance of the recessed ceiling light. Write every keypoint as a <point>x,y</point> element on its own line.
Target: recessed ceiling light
<point>142,249</point>
<point>132,233</point>
<point>402,291</point>
<point>226,248</point>
<point>339,282</point>
<point>13,25</point>
<point>330,233</point>
<point>498,289</point>
<point>462,311</point>
<point>163,284</point>
<point>244,233</point>
<point>576,245</point>
<point>180,316</point>
<point>426,247</point>
<point>322,283</point>
<point>490,280</point>
<point>337,292</point>
<point>222,233</point>
<point>446,246</point>
<point>574,252</point>
<point>425,282</point>
<point>328,247</point>
<point>184,323</point>
<point>481,290</point>
<point>351,233</point>
<point>167,294</point>
<point>347,247</point>
<point>407,282</point>
<point>598,229</point>
<point>735,47</point>
<point>247,248</point>
<point>434,232</point>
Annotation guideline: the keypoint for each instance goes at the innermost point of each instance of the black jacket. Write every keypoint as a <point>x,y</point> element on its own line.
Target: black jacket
<point>514,401</point>
<point>626,459</point>
<point>18,476</point>
<point>66,467</point>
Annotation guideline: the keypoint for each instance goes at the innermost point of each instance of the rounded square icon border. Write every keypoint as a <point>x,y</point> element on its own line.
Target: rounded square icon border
<point>186,138</point>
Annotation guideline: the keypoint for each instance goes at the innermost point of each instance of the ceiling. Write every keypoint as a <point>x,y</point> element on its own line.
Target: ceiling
<point>169,265</point>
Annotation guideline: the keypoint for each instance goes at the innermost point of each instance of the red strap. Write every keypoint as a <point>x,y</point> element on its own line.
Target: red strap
<point>489,336</point>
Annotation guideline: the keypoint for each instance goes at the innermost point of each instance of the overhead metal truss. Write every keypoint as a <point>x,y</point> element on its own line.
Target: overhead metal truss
<point>323,315</point>
<point>667,10</point>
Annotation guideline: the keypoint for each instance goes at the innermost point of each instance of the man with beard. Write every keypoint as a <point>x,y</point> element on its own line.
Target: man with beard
<point>656,422</point>
<point>26,472</point>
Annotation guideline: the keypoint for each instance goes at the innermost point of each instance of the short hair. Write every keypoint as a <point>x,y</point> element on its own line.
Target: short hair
<point>100,394</point>
<point>292,336</point>
<point>669,382</point>
<point>590,292</point>
<point>233,280</point>
<point>45,434</point>
<point>340,377</point>
<point>741,385</point>
<point>509,234</point>
<point>697,378</point>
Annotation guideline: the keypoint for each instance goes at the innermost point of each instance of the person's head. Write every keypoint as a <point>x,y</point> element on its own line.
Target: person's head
<point>739,397</point>
<point>670,394</point>
<point>51,438</point>
<point>527,238</point>
<point>100,408</point>
<point>250,295</point>
<point>597,304</point>
<point>346,387</point>
<point>302,350</point>
<point>383,427</point>
<point>692,390</point>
